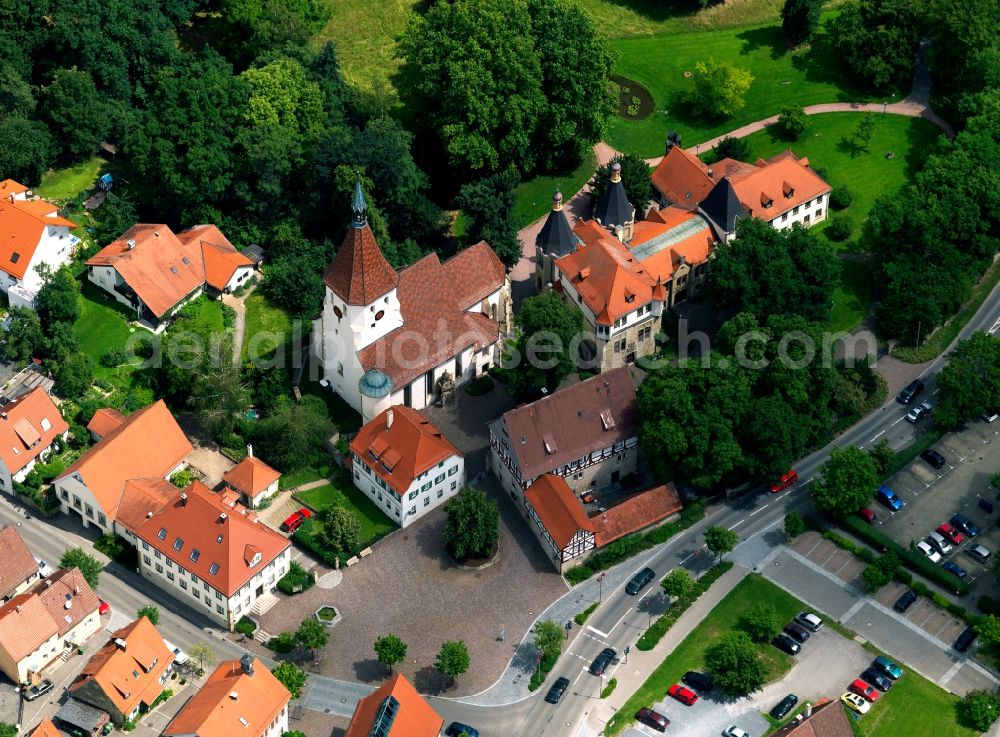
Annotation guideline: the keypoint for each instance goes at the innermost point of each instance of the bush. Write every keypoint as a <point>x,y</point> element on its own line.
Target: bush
<point>840,228</point>
<point>544,666</point>
<point>979,709</point>
<point>581,618</point>
<point>610,688</point>
<point>297,580</point>
<point>245,627</point>
<point>283,643</point>
<point>115,357</point>
<point>841,198</point>
<point>655,633</point>
<point>480,386</point>
<point>794,524</point>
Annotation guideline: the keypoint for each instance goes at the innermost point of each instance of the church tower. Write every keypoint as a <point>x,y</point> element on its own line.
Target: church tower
<point>361,304</point>
<point>554,240</point>
<point>613,210</point>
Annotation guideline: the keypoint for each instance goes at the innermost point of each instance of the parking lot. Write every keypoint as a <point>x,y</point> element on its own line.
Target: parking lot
<point>932,496</point>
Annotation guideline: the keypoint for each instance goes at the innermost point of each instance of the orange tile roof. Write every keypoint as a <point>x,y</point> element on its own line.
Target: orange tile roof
<point>359,273</point>
<point>143,498</point>
<point>414,717</point>
<point>22,225</point>
<point>410,446</point>
<point>785,181</point>
<point>149,443</point>
<point>251,476</point>
<point>635,513</point>
<point>225,537</point>
<point>128,675</point>
<point>682,178</point>
<point>105,420</point>
<point>17,564</point>
<point>45,728</point>
<point>28,425</point>
<point>232,702</point>
<point>558,508</point>
<point>67,585</point>
<point>474,273</point>
<point>25,624</point>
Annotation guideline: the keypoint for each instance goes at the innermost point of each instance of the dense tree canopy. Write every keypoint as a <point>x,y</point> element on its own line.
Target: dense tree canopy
<point>970,382</point>
<point>848,481</point>
<point>799,19</point>
<point>877,39</point>
<point>548,345</point>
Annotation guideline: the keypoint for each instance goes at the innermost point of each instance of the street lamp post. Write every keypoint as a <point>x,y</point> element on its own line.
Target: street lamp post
<point>885,106</point>
<point>600,587</point>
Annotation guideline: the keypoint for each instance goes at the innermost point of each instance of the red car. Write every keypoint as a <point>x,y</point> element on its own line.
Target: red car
<point>954,536</point>
<point>867,515</point>
<point>295,519</point>
<point>652,719</point>
<point>103,608</point>
<point>862,689</point>
<point>785,481</point>
<point>685,695</point>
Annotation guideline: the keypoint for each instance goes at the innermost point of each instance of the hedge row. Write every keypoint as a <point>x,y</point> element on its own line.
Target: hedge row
<point>631,545</point>
<point>655,633</point>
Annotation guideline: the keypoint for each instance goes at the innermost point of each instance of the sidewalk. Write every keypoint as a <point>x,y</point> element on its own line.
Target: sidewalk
<point>642,663</point>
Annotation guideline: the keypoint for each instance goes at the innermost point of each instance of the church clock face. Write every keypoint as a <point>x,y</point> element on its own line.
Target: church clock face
<point>337,312</point>
<point>380,314</point>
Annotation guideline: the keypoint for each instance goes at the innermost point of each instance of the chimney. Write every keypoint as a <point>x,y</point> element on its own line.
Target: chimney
<point>119,643</point>
<point>223,517</point>
<point>388,419</point>
<point>246,664</point>
<point>149,515</point>
<point>184,499</point>
<point>76,591</point>
<point>48,583</point>
<point>234,696</point>
<point>17,608</point>
<point>130,245</point>
<point>711,174</point>
<point>249,450</point>
<point>808,710</point>
<point>3,415</point>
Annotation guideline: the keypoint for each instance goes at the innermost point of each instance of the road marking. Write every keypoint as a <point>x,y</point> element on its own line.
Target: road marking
<point>877,436</point>
<point>943,681</point>
<point>898,421</point>
<point>594,629</point>
<point>582,671</point>
<point>737,525</point>
<point>934,392</point>
<point>758,510</point>
<point>619,622</point>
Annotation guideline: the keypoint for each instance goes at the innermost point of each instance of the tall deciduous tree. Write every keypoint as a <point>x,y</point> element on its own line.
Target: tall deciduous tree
<point>979,709</point>
<point>150,612</point>
<point>677,583</point>
<point>312,636</point>
<point>792,122</point>
<point>89,566</point>
<point>341,529</point>
<point>24,337</point>
<point>76,113</point>
<point>290,676</point>
<point>390,650</point>
<point>719,89</point>
<point>848,481</point>
<point>761,622</point>
<point>219,395</point>
<point>453,660</point>
<point>27,151</point>
<point>203,654</point>
<point>489,205</point>
<point>720,541</point>
<point>549,343</point>
<point>549,637</point>
<point>799,20</point>
<point>56,301</point>
<point>878,39</point>
<point>732,148</point>
<point>735,664</point>
<point>472,524</point>
<point>970,382</point>
<point>292,436</point>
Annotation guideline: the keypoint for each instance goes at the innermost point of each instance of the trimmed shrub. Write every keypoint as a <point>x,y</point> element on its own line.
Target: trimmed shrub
<point>841,198</point>
<point>283,643</point>
<point>655,633</point>
<point>581,618</point>
<point>245,627</point>
<point>840,228</point>
<point>297,580</point>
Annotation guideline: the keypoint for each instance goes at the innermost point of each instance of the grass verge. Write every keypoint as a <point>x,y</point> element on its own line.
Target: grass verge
<point>374,523</point>
<point>63,185</point>
<point>533,198</point>
<point>913,700</point>
<point>852,296</point>
<point>268,327</point>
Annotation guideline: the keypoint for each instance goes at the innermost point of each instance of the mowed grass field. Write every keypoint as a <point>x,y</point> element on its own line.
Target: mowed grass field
<point>912,701</point>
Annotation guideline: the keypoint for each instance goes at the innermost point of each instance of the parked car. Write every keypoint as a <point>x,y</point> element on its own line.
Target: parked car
<point>602,661</point>
<point>810,621</point>
<point>558,689</point>
<point>885,666</point>
<point>781,709</point>
<point>938,542</point>
<point>934,458</point>
<point>950,534</point>
<point>44,569</point>
<point>698,681</point>
<point>965,640</point>
<point>978,552</point>
<point>991,415</point>
<point>456,729</point>
<point>785,481</point>
<point>956,569</point>
<point>867,515</point>
<point>796,631</point>
<point>786,644</point>
<point>295,520</point>
<point>876,679</point>
<point>685,695</point>
<point>905,601</point>
<point>39,689</point>
<point>888,497</point>
<point>855,703</point>
<point>639,581</point>
<point>924,547</point>
<point>180,657</point>
<point>965,524</point>
<point>103,607</point>
<point>735,731</point>
<point>919,411</point>
<point>652,719</point>
<point>911,392</point>
<point>864,690</point>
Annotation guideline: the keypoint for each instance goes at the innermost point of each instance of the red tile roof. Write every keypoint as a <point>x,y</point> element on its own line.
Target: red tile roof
<point>785,181</point>
<point>232,702</point>
<point>28,425</point>
<point>414,717</point>
<point>251,476</point>
<point>25,624</point>
<point>573,422</point>
<point>104,421</point>
<point>682,178</point>
<point>410,446</point>
<point>22,225</point>
<point>559,510</point>
<point>148,444</point>
<point>10,188</point>
<point>143,498</point>
<point>17,564</point>
<point>474,274</point>
<point>67,585</point>
<point>637,512</point>
<point>359,273</point>
<point>226,538</point>
<point>45,728</point>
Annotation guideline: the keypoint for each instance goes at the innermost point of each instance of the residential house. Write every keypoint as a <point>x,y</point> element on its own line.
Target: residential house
<point>388,337</point>
<point>29,425</point>
<point>241,697</point>
<point>148,444</point>
<point>155,272</point>
<point>395,709</point>
<point>31,233</point>
<point>253,480</point>
<point>586,433</point>
<point>37,626</point>
<point>45,728</point>
<point>825,718</point>
<point>127,674</point>
<point>212,553</point>
<point>18,567</point>
<point>405,465</point>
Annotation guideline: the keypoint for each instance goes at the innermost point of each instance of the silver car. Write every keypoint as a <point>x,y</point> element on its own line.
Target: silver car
<point>979,552</point>
<point>914,415</point>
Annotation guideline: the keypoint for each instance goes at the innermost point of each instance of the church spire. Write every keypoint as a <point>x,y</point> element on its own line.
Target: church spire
<point>359,206</point>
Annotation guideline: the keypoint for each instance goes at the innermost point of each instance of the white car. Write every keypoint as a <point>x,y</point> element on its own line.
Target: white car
<point>924,547</point>
<point>44,569</point>
<point>180,657</point>
<point>914,415</point>
<point>735,731</point>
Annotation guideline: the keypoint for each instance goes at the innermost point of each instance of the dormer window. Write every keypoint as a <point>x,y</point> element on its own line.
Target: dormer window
<point>178,544</point>
<point>788,190</point>
<point>162,534</point>
<point>213,569</point>
<point>218,539</point>
<point>195,554</point>
<point>255,560</point>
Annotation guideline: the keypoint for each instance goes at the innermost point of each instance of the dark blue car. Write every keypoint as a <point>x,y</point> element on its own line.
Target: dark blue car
<point>955,568</point>
<point>888,497</point>
<point>964,524</point>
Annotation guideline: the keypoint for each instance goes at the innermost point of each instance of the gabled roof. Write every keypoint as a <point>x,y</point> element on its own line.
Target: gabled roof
<point>827,720</point>
<point>669,235</point>
<point>143,498</point>
<point>104,421</point>
<point>473,274</point>
<point>401,710</point>
<point>251,476</point>
<point>45,728</point>
<point>614,209</point>
<point>28,425</point>
<point>785,181</point>
<point>22,226</point>
<point>128,668</point>
<point>559,510</point>
<point>556,237</point>
<point>682,178</point>
<point>25,624</point>
<point>232,702</point>
<point>722,206</point>
<point>401,451</point>
<point>636,513</point>
<point>574,422</point>
<point>67,585</point>
<point>220,257</point>
<point>148,444</point>
<point>17,564</point>
<point>200,534</point>
<point>359,273</point>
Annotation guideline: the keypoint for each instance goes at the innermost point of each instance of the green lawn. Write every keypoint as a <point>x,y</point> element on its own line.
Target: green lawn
<point>852,296</point>
<point>206,311</point>
<point>267,326</point>
<point>628,18</point>
<point>62,185</point>
<point>305,476</point>
<point>100,327</point>
<point>781,77</point>
<point>343,415</point>
<point>374,524</point>
<point>913,700</point>
<point>533,198</point>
